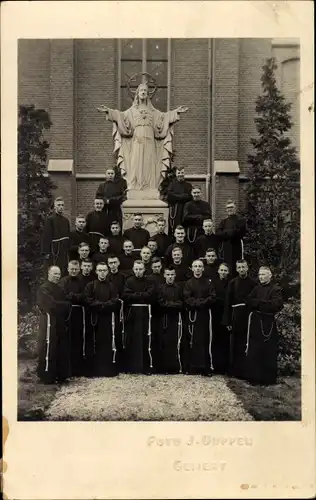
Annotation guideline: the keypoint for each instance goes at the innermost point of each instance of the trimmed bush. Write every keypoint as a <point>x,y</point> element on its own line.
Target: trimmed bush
<point>289,328</point>
<point>27,334</point>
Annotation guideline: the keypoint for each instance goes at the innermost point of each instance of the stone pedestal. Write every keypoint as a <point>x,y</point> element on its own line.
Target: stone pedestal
<point>149,205</point>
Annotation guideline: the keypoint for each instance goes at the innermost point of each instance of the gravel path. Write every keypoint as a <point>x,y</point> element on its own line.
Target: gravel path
<point>156,398</point>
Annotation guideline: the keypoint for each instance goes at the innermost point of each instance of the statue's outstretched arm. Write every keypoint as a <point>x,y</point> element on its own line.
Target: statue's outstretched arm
<point>181,109</point>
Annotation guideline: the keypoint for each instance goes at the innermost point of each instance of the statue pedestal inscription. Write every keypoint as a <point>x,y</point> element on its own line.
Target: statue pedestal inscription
<point>151,208</point>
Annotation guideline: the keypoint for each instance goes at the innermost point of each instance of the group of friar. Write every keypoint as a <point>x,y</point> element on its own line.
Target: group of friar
<point>126,302</point>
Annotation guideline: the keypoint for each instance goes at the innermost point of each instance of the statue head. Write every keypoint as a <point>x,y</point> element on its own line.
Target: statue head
<point>142,93</point>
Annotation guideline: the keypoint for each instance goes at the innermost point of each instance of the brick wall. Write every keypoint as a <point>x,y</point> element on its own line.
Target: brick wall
<point>63,183</point>
<point>86,190</point>
<point>61,99</point>
<point>189,87</point>
<point>227,187</point>
<point>252,56</point>
<point>96,84</point>
<point>226,98</point>
<point>34,72</point>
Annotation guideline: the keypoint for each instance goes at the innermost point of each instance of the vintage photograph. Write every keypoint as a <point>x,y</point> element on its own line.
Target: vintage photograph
<point>159,229</point>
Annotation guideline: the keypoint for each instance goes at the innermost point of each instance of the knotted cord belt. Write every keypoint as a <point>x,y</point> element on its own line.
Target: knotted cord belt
<point>179,339</point>
<point>191,326</point>
<point>149,329</point>
<point>122,321</point>
<point>173,215</point>
<point>194,235</point>
<point>266,337</point>
<point>47,341</point>
<point>113,337</point>
<point>83,328</point>
<point>56,254</point>
<point>211,338</point>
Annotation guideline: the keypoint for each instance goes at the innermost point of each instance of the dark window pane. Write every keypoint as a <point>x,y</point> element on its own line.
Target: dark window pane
<point>160,99</point>
<point>158,70</point>
<point>157,48</point>
<point>131,48</point>
<point>128,69</point>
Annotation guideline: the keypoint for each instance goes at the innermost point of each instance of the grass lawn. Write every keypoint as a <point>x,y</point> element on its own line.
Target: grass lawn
<point>33,397</point>
<point>276,402</point>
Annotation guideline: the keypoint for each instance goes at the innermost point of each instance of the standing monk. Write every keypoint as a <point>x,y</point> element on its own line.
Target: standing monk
<point>194,213</point>
<point>170,302</point>
<point>235,316</point>
<point>264,302</point>
<point>55,238</point>
<point>220,342</point>
<point>103,303</point>
<point>211,264</point>
<point>138,296</point>
<point>179,192</point>
<point>97,224</point>
<point>207,240</point>
<point>231,232</point>
<point>113,193</point>
<point>78,236</point>
<point>116,239</point>
<point>180,242</point>
<point>53,341</point>
<point>199,295</point>
<point>73,289</point>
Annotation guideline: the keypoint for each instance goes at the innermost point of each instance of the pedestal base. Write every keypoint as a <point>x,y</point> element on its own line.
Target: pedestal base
<point>151,209</point>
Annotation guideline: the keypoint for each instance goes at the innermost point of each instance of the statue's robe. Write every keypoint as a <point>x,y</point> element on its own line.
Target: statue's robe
<point>103,303</point>
<point>220,342</point>
<point>116,244</point>
<point>100,257</point>
<point>170,327</point>
<point>199,296</point>
<point>138,296</point>
<point>211,270</point>
<point>138,236</point>
<point>264,302</point>
<point>156,280</point>
<point>204,242</point>
<point>179,193</point>
<point>115,192</point>
<point>236,315</point>
<point>126,263</point>
<point>231,232</point>
<point>187,253</point>
<point>77,237</point>
<point>143,139</point>
<point>194,213</point>
<point>53,340</point>
<point>73,289</point>
<point>97,226</point>
<point>55,241</point>
<point>163,241</point>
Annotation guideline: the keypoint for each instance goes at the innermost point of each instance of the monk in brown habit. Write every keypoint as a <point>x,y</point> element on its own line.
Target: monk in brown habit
<point>230,233</point>
<point>103,302</point>
<point>113,193</point>
<point>73,288</point>
<point>179,192</point>
<point>194,213</point>
<point>55,238</point>
<point>138,296</point>
<point>199,296</point>
<point>235,317</point>
<point>53,340</point>
<point>264,302</point>
<point>170,324</point>
<point>97,224</point>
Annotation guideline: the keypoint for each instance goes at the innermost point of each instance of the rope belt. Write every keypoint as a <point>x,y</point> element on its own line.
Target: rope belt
<point>83,329</point>
<point>56,254</point>
<point>194,235</point>
<point>113,337</point>
<point>122,322</point>
<point>191,326</point>
<point>96,233</point>
<point>242,249</point>
<point>149,329</point>
<point>179,339</point>
<point>238,305</point>
<point>60,239</point>
<point>173,215</point>
<point>211,338</point>
<point>47,341</point>
<point>94,320</point>
<point>266,336</point>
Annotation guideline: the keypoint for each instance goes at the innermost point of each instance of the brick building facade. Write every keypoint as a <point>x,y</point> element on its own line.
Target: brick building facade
<point>218,80</point>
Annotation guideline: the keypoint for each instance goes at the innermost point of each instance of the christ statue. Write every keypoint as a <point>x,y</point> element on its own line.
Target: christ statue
<point>143,138</point>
